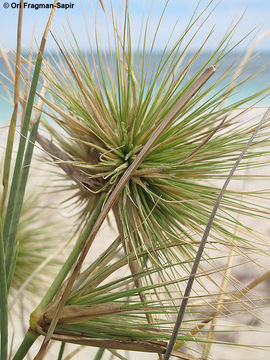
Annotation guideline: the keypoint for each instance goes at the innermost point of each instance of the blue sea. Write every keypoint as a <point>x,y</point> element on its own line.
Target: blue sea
<point>261,81</point>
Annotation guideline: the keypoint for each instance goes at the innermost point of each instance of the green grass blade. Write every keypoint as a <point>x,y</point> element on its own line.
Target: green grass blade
<point>3,299</point>
<point>13,120</point>
<point>67,265</point>
<point>8,156</point>
<point>35,316</point>
<point>19,201</point>
<point>19,159</point>
<point>99,354</point>
<point>198,257</point>
<point>28,341</point>
<point>61,351</point>
<point>24,130</point>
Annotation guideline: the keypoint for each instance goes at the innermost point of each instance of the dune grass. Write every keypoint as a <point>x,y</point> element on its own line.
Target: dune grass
<point>149,139</point>
<point>10,214</point>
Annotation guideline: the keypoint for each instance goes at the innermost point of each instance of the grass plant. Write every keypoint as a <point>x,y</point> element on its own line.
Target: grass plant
<point>148,139</point>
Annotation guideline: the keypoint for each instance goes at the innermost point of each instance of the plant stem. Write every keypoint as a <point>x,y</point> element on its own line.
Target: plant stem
<point>8,155</point>
<point>67,265</point>
<point>19,202</point>
<point>18,165</point>
<point>198,257</point>
<point>61,351</point>
<point>28,341</point>
<point>20,154</point>
<point>35,316</point>
<point>13,121</point>
<point>133,265</point>
<point>99,354</point>
<point>3,299</point>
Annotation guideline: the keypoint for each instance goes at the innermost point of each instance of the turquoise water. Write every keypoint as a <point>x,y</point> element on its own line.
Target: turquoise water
<point>261,81</point>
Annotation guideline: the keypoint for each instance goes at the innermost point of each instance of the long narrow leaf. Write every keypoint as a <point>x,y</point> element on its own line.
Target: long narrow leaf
<point>13,121</point>
<point>12,202</point>
<point>19,202</point>
<point>204,239</point>
<point>19,160</point>
<point>3,299</point>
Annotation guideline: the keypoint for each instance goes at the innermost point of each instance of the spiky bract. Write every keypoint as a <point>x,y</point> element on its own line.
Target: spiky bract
<point>108,105</point>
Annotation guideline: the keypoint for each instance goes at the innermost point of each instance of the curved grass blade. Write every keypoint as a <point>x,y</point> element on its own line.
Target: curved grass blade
<point>13,205</point>
<point>99,354</point>
<point>3,299</point>
<point>20,154</point>
<point>13,120</point>
<point>31,335</point>
<point>19,202</point>
<point>204,239</point>
<point>61,351</point>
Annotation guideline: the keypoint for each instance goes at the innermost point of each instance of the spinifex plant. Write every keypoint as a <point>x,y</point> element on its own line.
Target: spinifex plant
<point>36,262</point>
<point>148,137</point>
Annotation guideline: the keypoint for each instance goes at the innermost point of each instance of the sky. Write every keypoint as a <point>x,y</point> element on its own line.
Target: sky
<point>177,11</point>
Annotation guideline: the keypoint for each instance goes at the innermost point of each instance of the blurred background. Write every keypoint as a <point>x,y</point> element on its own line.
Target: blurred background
<point>176,17</point>
<point>255,17</point>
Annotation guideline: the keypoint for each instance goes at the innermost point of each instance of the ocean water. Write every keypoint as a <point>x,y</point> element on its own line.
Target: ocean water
<point>261,81</point>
